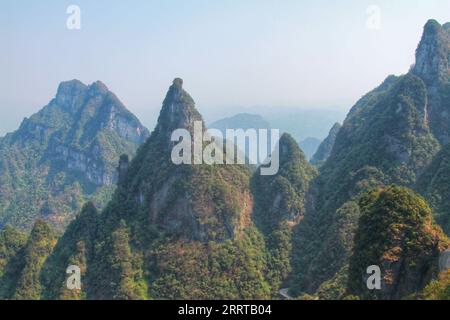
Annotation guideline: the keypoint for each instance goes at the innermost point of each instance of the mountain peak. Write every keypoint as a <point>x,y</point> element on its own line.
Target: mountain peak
<point>281,198</point>
<point>289,149</point>
<point>67,90</point>
<point>72,93</point>
<point>178,83</point>
<point>75,88</point>
<point>70,85</point>
<point>79,136</point>
<point>433,53</point>
<point>98,87</point>
<point>432,25</point>
<point>178,110</point>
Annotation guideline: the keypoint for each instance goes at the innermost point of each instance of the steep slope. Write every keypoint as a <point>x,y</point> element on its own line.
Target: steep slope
<point>280,202</point>
<point>433,67</point>
<point>387,138</point>
<point>22,274</point>
<point>65,154</point>
<point>434,185</point>
<point>324,150</point>
<point>438,289</point>
<point>170,231</point>
<point>397,234</point>
<point>384,140</point>
<point>12,242</point>
<point>75,247</point>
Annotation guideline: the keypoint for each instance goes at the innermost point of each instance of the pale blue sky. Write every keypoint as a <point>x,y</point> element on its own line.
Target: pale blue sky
<point>232,54</point>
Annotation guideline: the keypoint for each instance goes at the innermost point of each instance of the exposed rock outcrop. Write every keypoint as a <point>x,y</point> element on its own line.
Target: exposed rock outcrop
<point>433,67</point>
<point>65,154</point>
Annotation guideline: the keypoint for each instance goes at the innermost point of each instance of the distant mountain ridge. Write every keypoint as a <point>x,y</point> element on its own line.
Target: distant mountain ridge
<point>243,121</point>
<point>246,121</point>
<point>65,154</point>
<point>305,123</point>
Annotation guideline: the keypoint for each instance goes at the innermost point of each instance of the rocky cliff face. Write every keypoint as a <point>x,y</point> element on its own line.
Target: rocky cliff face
<point>65,154</point>
<point>95,113</point>
<point>434,185</point>
<point>432,66</point>
<point>433,53</point>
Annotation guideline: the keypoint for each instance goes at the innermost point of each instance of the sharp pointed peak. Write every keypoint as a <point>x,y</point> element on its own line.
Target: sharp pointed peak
<point>98,87</point>
<point>287,138</point>
<point>178,83</point>
<point>433,53</point>
<point>75,86</point>
<point>289,149</point>
<point>432,25</point>
<point>178,110</point>
<point>70,85</point>
<point>177,93</point>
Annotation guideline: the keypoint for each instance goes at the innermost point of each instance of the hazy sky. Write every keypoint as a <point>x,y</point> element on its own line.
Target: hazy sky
<point>230,53</point>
